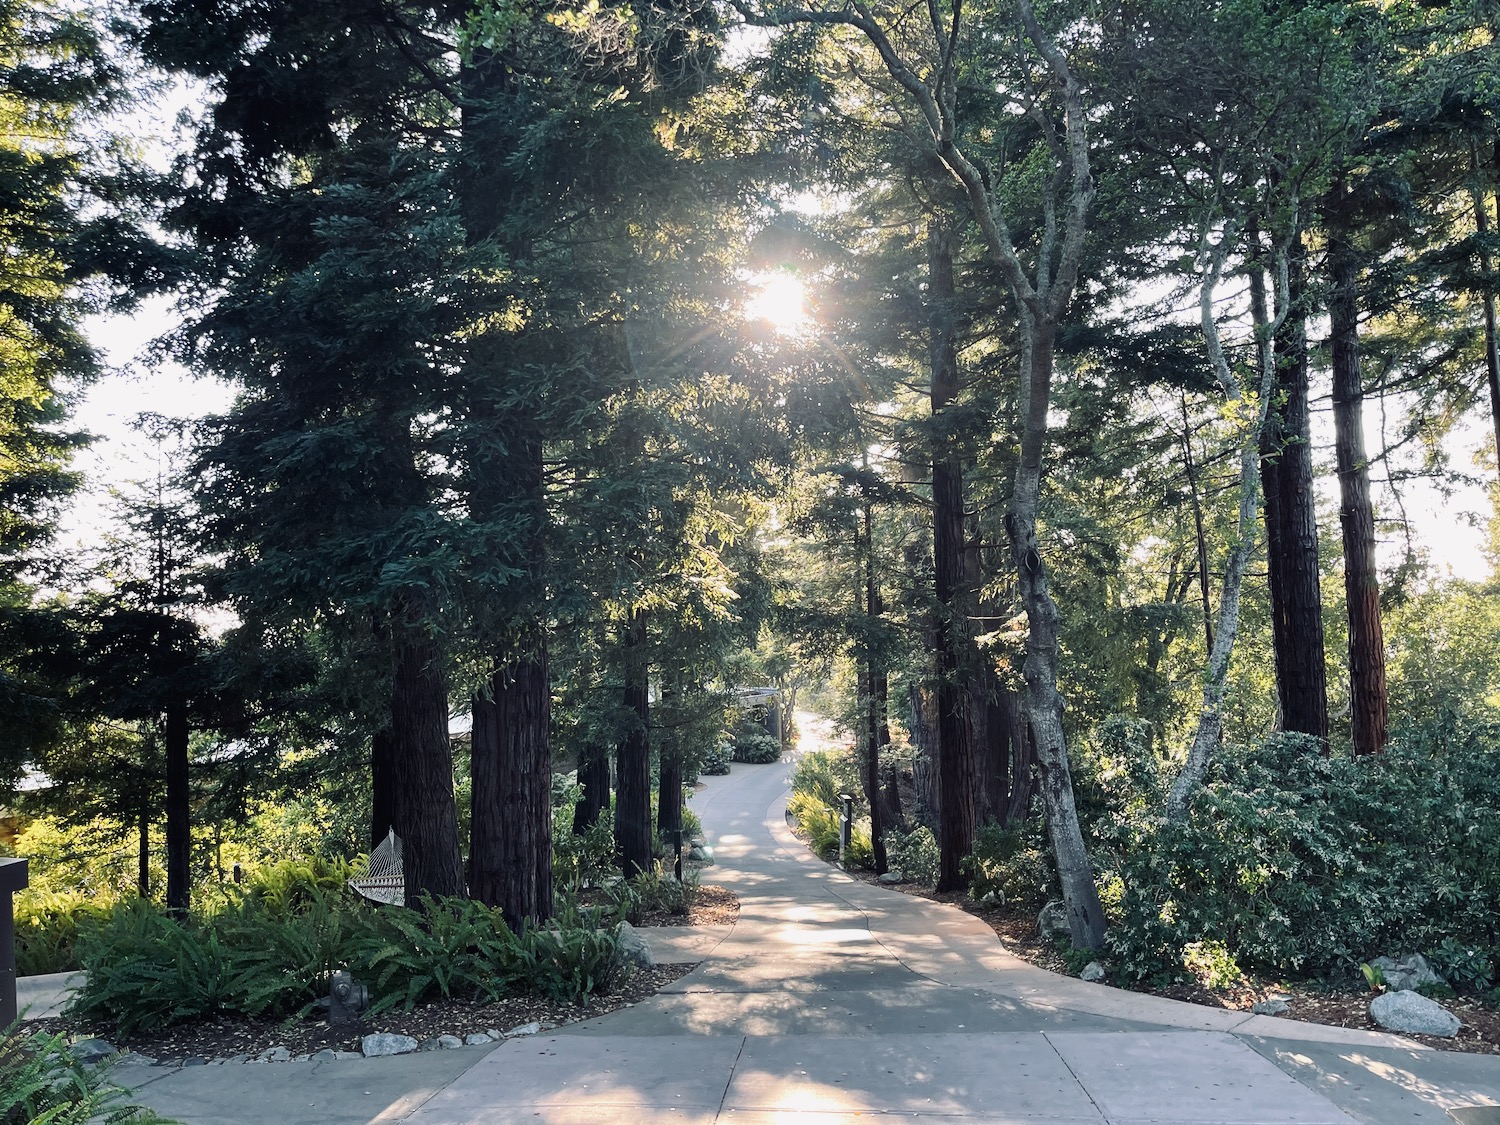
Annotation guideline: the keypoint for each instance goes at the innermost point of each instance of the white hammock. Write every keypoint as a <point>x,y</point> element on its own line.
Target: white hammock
<point>384,879</point>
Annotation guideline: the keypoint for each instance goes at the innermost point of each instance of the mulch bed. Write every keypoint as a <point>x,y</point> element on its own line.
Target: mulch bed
<point>1310,1001</point>
<point>226,1038</point>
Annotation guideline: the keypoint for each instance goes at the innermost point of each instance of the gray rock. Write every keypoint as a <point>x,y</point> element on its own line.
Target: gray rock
<point>992,898</point>
<point>891,878</point>
<point>130,1058</point>
<point>632,949</point>
<point>93,1050</point>
<point>1275,1006</point>
<point>341,1055</point>
<point>477,1039</point>
<point>1406,973</point>
<point>1093,972</point>
<point>1411,1013</point>
<point>430,1045</point>
<point>493,1033</point>
<point>387,1043</point>
<point>277,1053</point>
<point>524,1029</point>
<point>195,1060</point>
<point>448,1042</point>
<point>1052,922</point>
<point>327,1054</point>
<point>300,1058</point>
<point>237,1059</point>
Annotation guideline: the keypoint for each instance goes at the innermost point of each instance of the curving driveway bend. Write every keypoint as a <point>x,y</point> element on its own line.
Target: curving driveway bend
<point>831,1001</point>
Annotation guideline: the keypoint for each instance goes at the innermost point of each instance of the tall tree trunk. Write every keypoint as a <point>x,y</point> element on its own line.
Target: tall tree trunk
<point>1487,296</point>
<point>593,777</point>
<point>873,674</point>
<point>1367,694</point>
<point>1292,528</point>
<point>1201,540</point>
<point>1044,703</point>
<point>633,756</point>
<point>143,852</point>
<point>383,798</point>
<point>426,816</point>
<point>510,843</point>
<point>955,748</point>
<point>890,779</point>
<point>179,809</point>
<point>921,721</point>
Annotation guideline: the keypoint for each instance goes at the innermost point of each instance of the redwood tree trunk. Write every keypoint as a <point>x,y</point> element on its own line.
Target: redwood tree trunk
<point>426,815</point>
<point>510,841</point>
<point>179,809</point>
<point>633,757</point>
<point>955,749</point>
<point>143,853</point>
<point>382,785</point>
<point>872,677</point>
<point>1367,695</point>
<point>593,777</point>
<point>1292,532</point>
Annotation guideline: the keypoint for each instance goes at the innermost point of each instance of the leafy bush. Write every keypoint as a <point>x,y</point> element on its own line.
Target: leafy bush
<point>586,859</point>
<point>815,805</point>
<point>914,854</point>
<point>716,760</point>
<point>756,746</point>
<point>148,969</point>
<point>41,1081</point>
<point>1012,863</point>
<point>1300,862</point>
<point>48,925</point>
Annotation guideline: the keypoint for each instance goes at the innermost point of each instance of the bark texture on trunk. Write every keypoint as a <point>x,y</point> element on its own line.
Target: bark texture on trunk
<point>143,853</point>
<point>179,809</point>
<point>1044,703</point>
<point>593,777</point>
<point>1367,691</point>
<point>1487,297</point>
<point>921,721</point>
<point>510,843</point>
<point>955,748</point>
<point>872,692</point>
<point>633,757</point>
<point>1292,531</point>
<point>383,798</point>
<point>426,814</point>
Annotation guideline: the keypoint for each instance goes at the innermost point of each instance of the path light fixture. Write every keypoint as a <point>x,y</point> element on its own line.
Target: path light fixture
<point>846,824</point>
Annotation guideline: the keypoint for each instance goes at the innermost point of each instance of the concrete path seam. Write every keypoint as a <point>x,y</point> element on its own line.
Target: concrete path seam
<point>1099,1109</point>
<point>728,1082</point>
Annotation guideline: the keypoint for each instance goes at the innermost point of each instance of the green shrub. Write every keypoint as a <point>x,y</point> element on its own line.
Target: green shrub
<point>1299,862</point>
<point>716,760</point>
<point>756,746</point>
<point>586,859</point>
<point>148,969</point>
<point>1011,863</point>
<point>914,854</point>
<point>41,1082</point>
<point>48,925</point>
<point>816,807</point>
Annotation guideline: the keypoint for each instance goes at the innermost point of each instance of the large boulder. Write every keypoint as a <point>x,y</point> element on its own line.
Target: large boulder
<point>1052,922</point>
<point>633,950</point>
<point>1407,973</point>
<point>387,1043</point>
<point>1411,1013</point>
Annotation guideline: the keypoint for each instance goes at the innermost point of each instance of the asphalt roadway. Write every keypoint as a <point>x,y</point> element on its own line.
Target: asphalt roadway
<point>830,1002</point>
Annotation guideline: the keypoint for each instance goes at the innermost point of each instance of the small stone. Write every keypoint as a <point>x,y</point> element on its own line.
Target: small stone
<point>1052,922</point>
<point>430,1045</point>
<point>1275,1006</point>
<point>327,1054</point>
<point>387,1043</point>
<point>493,1033</point>
<point>93,1050</point>
<point>130,1058</point>
<point>632,949</point>
<point>341,1055</point>
<point>992,898</point>
<point>1093,972</point>
<point>524,1029</point>
<point>237,1059</point>
<point>891,878</point>
<point>277,1053</point>
<point>448,1042</point>
<point>195,1060</point>
<point>300,1058</point>
<point>477,1039</point>
<point>1406,974</point>
<point>1411,1013</point>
